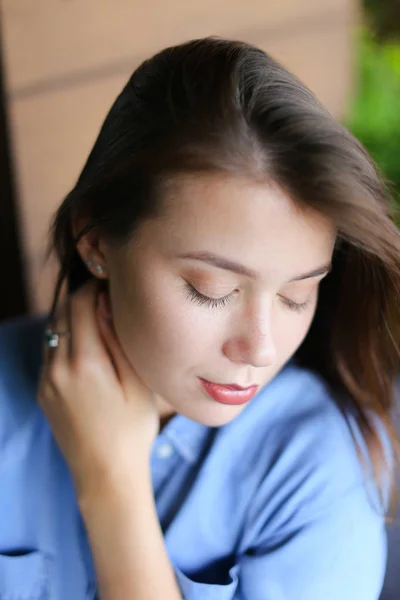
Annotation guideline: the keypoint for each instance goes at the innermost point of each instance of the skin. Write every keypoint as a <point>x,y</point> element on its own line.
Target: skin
<point>104,420</point>
<point>171,340</point>
<point>135,354</point>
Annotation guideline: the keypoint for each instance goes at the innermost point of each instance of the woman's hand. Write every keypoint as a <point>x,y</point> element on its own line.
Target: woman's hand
<point>102,415</point>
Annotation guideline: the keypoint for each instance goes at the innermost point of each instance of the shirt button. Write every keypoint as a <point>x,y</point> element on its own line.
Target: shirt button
<point>165,451</point>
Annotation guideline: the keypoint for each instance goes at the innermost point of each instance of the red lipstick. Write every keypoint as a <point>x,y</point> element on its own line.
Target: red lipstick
<point>229,393</point>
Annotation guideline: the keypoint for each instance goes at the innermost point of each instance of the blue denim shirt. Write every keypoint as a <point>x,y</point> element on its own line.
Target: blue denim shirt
<point>271,506</point>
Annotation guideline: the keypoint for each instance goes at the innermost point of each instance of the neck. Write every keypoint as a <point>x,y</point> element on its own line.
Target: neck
<point>165,411</point>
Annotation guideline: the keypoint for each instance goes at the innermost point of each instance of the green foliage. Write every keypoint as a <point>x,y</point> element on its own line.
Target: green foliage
<point>375,112</point>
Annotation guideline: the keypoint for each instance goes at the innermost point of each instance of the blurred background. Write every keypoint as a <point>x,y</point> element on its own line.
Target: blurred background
<point>64,61</point>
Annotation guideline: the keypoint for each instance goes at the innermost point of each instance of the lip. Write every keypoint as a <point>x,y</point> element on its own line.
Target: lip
<point>229,393</point>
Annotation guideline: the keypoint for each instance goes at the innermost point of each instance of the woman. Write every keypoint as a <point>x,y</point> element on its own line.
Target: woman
<point>216,388</point>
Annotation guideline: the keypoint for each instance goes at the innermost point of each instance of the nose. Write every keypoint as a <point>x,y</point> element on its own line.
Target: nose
<point>254,343</point>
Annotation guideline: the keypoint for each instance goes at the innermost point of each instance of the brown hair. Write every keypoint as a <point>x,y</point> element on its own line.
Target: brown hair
<point>221,105</point>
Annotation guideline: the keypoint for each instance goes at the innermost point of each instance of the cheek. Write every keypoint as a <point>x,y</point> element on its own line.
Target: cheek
<point>158,327</point>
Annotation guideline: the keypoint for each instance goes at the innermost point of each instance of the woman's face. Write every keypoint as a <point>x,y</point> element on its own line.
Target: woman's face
<point>180,318</point>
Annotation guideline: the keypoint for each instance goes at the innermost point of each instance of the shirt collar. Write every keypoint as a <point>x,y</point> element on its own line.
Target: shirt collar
<point>187,436</point>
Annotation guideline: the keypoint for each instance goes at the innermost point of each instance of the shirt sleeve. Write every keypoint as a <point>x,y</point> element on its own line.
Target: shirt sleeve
<point>340,555</point>
<point>315,528</point>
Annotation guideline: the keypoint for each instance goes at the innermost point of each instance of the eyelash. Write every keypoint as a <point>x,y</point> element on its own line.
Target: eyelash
<point>202,300</point>
<point>295,306</point>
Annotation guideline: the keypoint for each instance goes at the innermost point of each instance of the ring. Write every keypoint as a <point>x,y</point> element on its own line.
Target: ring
<point>52,338</point>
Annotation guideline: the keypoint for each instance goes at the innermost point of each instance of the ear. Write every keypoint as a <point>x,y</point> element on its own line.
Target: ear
<point>91,249</point>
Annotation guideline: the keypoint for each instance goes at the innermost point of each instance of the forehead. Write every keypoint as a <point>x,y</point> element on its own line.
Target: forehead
<point>254,223</point>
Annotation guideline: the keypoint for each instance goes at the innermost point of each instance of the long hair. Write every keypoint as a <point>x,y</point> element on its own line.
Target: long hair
<point>226,106</point>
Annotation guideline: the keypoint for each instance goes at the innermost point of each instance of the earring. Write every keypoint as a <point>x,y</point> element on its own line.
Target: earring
<point>98,268</point>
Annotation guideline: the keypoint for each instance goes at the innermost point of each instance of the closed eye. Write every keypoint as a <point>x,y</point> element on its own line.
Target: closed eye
<point>203,300</point>
<point>295,306</point>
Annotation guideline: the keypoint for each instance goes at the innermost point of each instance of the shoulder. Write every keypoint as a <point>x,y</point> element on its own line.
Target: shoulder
<point>311,503</point>
<point>294,413</point>
<point>301,448</point>
<point>20,361</point>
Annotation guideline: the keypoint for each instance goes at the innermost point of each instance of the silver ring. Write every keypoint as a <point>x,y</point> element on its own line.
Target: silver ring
<point>52,338</point>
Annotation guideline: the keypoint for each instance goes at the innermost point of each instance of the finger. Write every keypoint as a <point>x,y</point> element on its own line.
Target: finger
<point>86,340</point>
<point>126,374</point>
<point>60,325</point>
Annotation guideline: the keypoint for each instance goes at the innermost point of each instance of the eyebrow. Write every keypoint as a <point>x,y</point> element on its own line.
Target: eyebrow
<point>223,263</point>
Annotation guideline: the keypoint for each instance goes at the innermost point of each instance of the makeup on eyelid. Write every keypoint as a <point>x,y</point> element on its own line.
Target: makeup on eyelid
<point>206,284</point>
<point>221,283</point>
<point>217,302</point>
<point>201,287</point>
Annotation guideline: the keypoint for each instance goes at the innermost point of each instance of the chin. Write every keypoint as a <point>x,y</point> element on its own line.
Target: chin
<point>221,415</point>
